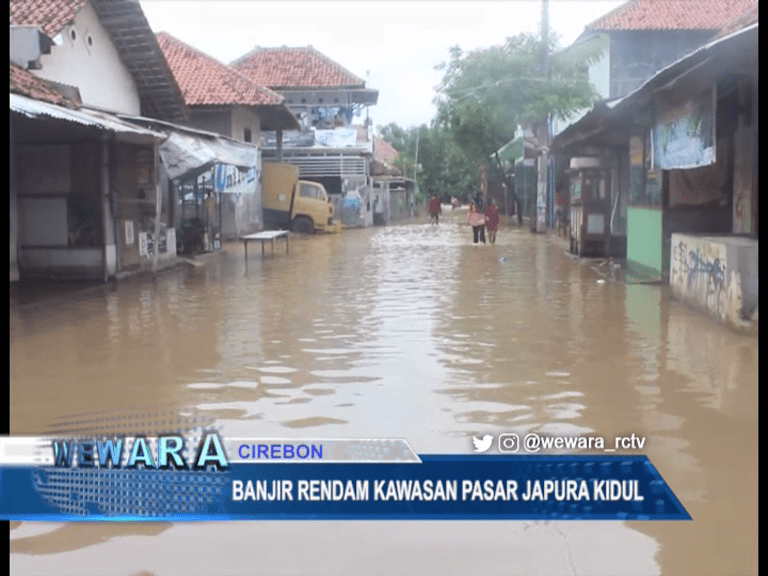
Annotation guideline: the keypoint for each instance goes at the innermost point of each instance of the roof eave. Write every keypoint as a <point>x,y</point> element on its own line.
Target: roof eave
<point>275,117</point>
<point>128,28</point>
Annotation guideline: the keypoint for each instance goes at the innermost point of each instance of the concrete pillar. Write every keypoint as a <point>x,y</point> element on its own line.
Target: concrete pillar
<point>159,208</point>
<point>108,226</point>
<point>14,210</point>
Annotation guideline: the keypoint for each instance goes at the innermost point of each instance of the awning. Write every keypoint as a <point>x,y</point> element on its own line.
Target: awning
<point>188,151</point>
<point>185,154</point>
<point>36,109</point>
<point>510,152</point>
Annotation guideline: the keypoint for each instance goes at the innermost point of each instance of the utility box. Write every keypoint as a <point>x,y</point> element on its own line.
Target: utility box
<point>590,206</point>
<point>27,44</point>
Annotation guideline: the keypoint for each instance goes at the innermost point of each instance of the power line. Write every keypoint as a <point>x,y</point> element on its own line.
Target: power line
<point>472,91</point>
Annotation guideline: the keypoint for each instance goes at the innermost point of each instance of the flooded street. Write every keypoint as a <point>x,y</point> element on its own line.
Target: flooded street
<point>404,331</point>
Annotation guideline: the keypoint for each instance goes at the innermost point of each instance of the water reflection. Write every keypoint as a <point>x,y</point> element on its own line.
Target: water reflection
<point>405,331</point>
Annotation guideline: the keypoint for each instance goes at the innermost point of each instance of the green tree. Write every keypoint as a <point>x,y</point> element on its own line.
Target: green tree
<point>485,94</point>
<point>442,167</point>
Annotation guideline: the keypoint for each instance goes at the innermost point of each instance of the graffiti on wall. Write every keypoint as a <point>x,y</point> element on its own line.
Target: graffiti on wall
<point>699,274</point>
<point>698,268</point>
<point>715,270</point>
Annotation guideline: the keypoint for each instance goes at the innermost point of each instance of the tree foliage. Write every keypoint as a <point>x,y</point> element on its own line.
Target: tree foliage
<point>442,167</point>
<point>483,96</point>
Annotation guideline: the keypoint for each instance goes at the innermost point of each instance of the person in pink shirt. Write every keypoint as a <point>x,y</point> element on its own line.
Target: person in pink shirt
<point>476,218</point>
<point>491,220</point>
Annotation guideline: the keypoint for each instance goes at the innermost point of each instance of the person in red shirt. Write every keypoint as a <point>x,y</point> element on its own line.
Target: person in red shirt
<point>492,220</point>
<point>435,209</point>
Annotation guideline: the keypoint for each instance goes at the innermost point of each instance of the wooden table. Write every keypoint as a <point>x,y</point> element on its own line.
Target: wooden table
<point>264,237</point>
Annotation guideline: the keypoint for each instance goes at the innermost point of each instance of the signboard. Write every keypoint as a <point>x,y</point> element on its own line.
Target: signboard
<point>170,241</point>
<point>684,136</point>
<point>143,244</point>
<point>129,236</point>
<point>230,180</point>
<point>210,478</point>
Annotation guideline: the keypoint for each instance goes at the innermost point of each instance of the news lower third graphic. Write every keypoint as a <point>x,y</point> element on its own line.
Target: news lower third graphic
<point>207,477</point>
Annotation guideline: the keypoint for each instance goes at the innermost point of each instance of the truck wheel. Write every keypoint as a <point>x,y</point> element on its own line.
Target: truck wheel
<point>303,225</point>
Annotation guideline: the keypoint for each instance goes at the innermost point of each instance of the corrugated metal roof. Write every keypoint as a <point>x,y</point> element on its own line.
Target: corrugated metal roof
<point>100,120</point>
<point>184,154</point>
<point>189,151</point>
<point>606,111</point>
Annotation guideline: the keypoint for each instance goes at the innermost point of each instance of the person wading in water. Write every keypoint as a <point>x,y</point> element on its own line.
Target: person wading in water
<point>435,209</point>
<point>476,218</point>
<point>492,220</point>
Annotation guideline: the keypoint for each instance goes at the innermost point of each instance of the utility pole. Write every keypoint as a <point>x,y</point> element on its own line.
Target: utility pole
<point>416,158</point>
<point>545,37</point>
<point>538,222</point>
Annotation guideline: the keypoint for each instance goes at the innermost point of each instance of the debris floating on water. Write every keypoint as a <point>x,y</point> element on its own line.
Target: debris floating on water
<point>600,281</point>
<point>503,259</point>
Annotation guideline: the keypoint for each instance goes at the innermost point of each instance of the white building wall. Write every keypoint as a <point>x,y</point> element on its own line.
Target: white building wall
<point>600,75</point>
<point>90,62</point>
<point>600,78</point>
<point>242,211</point>
<point>243,118</point>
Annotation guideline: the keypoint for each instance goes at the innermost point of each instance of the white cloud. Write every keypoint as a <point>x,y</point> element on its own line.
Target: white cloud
<point>398,42</point>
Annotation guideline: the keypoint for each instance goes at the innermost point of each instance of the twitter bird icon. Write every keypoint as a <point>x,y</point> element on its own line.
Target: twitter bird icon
<point>482,444</point>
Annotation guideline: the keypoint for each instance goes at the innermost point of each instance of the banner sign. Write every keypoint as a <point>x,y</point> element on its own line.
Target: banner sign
<point>338,138</point>
<point>210,479</point>
<point>684,136</point>
<point>229,179</point>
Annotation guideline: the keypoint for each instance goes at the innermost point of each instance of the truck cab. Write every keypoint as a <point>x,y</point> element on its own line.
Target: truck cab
<point>298,205</point>
<point>312,209</point>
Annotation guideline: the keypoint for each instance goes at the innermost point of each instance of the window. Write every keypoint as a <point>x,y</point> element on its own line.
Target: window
<point>653,174</point>
<point>247,135</point>
<point>309,191</point>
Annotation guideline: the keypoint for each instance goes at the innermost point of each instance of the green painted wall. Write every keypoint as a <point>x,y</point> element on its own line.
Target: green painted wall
<point>644,238</point>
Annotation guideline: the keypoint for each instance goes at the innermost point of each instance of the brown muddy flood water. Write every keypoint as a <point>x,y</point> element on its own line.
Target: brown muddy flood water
<point>405,331</point>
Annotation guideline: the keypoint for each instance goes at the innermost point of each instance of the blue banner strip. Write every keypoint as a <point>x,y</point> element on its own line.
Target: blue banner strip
<point>442,487</point>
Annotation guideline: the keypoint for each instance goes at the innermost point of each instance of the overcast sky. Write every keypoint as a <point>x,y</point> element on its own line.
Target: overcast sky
<point>394,46</point>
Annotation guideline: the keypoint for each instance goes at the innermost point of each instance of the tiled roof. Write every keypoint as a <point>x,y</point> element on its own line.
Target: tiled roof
<point>204,81</point>
<point>738,22</point>
<point>672,15</point>
<point>295,68</point>
<point>27,84</point>
<point>383,150</point>
<point>50,15</point>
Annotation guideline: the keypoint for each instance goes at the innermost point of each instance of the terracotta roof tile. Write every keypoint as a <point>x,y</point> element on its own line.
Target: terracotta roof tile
<point>738,22</point>
<point>27,84</point>
<point>672,15</point>
<point>383,150</point>
<point>295,68</point>
<point>204,81</point>
<point>50,15</point>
